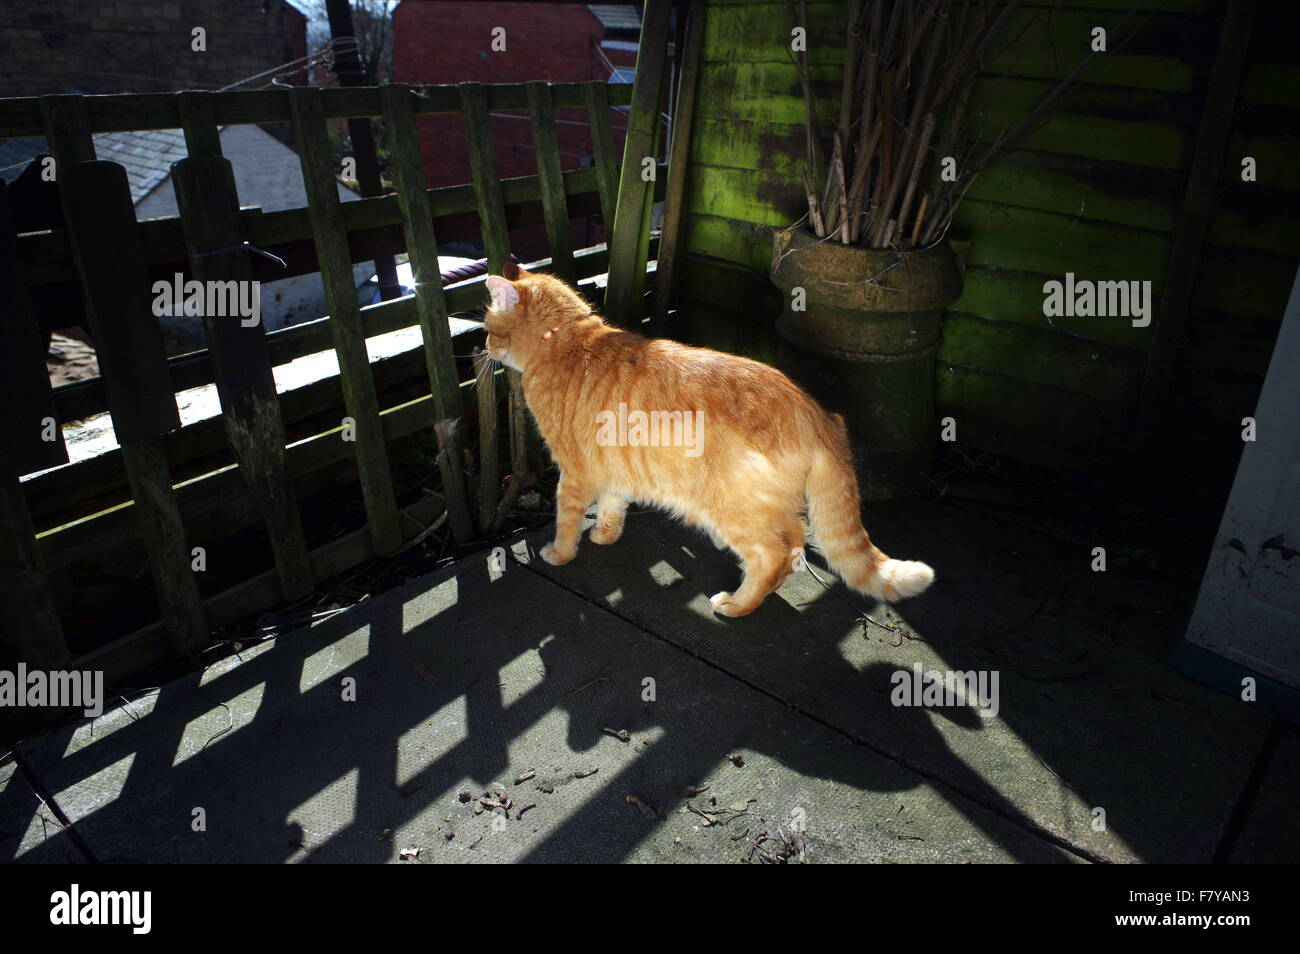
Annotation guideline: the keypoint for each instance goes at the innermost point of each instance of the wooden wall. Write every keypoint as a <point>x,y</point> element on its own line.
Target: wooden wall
<point>1096,190</point>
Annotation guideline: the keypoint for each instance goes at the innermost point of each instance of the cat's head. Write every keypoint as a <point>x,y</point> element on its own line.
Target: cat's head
<point>526,311</point>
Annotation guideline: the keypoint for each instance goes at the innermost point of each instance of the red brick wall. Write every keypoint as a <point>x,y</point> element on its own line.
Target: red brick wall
<point>451,42</point>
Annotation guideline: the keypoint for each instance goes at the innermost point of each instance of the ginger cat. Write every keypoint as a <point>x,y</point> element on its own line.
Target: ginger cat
<point>727,444</point>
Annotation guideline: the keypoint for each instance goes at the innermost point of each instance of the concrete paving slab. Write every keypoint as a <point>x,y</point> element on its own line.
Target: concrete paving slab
<point>29,831</point>
<point>1097,741</point>
<point>383,730</point>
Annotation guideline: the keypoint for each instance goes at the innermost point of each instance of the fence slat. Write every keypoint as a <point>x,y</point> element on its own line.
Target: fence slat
<point>199,122</point>
<point>430,301</point>
<point>492,216</point>
<point>602,151</point>
<point>209,206</point>
<point>489,477</point>
<point>487,183</point>
<point>329,231</point>
<point>675,195</point>
<point>101,224</point>
<point>67,129</point>
<point>541,109</point>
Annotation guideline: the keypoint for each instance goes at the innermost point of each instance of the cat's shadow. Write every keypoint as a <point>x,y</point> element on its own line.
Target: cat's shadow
<point>786,654</point>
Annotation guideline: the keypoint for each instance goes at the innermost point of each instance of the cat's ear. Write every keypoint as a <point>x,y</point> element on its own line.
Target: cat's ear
<point>504,295</point>
<point>512,271</point>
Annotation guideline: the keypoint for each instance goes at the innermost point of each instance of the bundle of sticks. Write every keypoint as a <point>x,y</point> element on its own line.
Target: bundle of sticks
<point>892,178</point>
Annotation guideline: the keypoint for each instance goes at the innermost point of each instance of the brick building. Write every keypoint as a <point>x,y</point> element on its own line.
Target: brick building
<point>445,41</point>
<point>112,46</point>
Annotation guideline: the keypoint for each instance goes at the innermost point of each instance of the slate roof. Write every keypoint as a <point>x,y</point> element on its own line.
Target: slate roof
<point>617,17</point>
<point>147,156</point>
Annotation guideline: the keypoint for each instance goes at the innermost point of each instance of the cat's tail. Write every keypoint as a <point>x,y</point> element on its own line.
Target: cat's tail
<point>832,491</point>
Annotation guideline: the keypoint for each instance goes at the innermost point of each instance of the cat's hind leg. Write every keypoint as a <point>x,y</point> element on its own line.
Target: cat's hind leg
<point>794,549</point>
<point>767,561</point>
<point>611,510</point>
<point>571,499</point>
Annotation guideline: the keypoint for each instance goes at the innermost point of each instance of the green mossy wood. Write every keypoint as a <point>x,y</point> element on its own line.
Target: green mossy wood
<point>1097,190</point>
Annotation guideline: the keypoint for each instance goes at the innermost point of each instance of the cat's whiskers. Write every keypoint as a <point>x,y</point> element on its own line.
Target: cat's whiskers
<point>485,368</point>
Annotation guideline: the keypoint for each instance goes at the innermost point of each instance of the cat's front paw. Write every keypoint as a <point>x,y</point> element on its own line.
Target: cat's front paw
<point>555,557</point>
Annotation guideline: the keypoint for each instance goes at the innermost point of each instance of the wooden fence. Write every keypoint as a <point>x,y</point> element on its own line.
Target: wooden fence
<point>166,484</point>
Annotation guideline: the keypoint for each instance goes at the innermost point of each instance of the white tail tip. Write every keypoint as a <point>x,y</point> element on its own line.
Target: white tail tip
<point>900,580</point>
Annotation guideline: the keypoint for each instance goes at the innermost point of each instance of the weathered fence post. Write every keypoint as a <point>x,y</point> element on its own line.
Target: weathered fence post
<point>629,243</point>
<point>209,207</point>
<point>675,194</point>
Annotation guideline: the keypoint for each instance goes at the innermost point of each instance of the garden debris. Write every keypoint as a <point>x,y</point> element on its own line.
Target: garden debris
<point>690,791</point>
<point>520,814</point>
<point>621,734</point>
<point>410,854</point>
<point>713,815</point>
<point>497,801</point>
<point>783,848</point>
<point>526,776</point>
<point>585,773</point>
<point>736,759</point>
